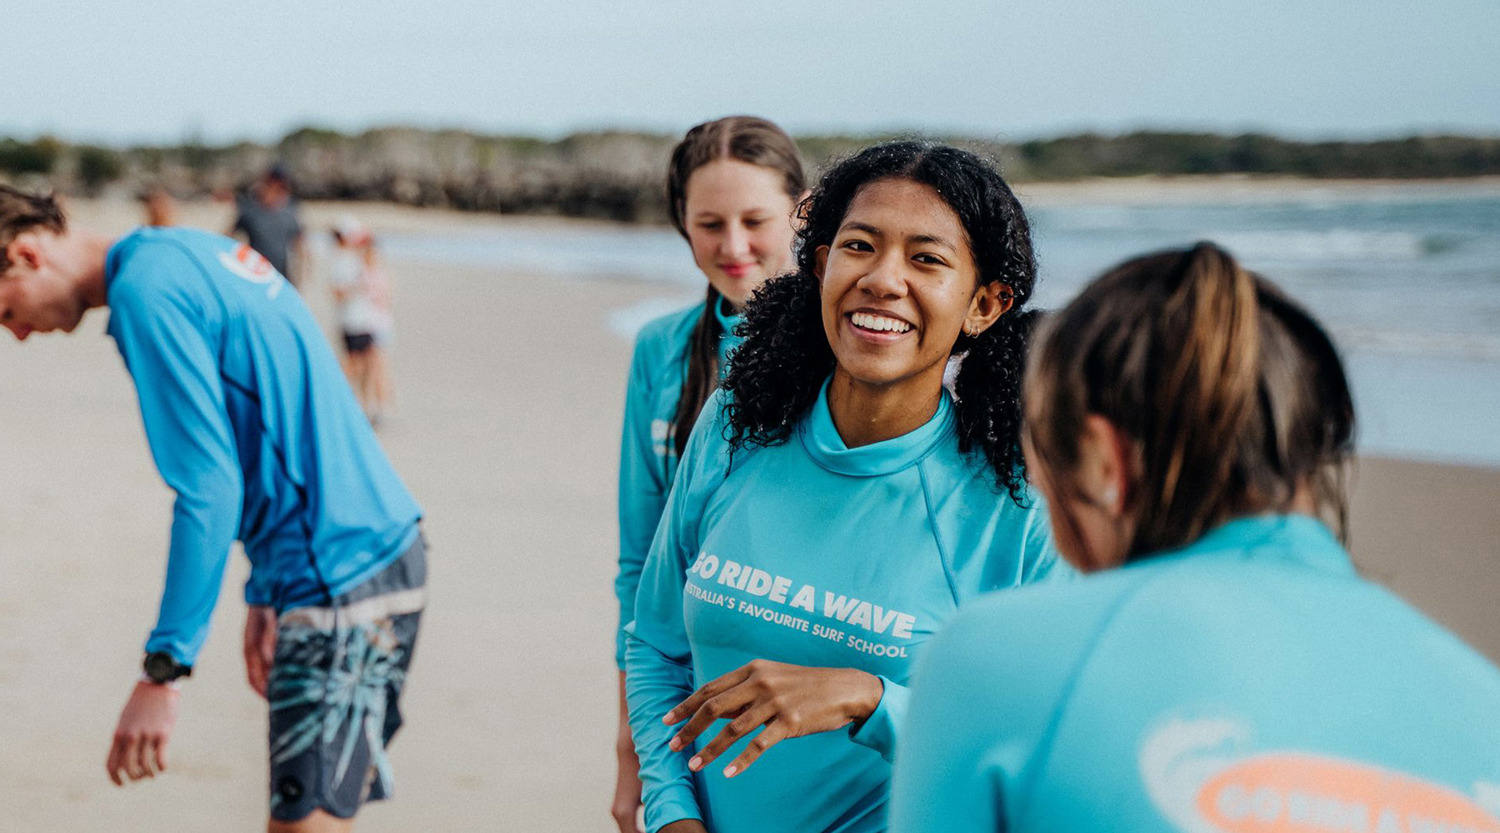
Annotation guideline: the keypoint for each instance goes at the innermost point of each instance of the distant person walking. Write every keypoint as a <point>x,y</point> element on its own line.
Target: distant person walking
<point>268,220</point>
<point>732,186</point>
<point>362,292</point>
<point>159,207</point>
<point>251,424</point>
<point>1223,667</point>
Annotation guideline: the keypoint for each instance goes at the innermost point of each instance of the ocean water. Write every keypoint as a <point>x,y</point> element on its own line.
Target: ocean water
<point>1407,278</point>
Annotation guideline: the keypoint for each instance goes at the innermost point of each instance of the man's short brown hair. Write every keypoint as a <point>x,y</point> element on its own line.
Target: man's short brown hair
<point>21,212</point>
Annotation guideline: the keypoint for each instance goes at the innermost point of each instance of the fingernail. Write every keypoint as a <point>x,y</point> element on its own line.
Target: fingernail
<point>731,770</point>
<point>674,744</point>
<point>667,718</point>
<point>695,764</point>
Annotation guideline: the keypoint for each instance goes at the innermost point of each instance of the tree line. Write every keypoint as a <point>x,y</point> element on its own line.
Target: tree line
<point>618,174</point>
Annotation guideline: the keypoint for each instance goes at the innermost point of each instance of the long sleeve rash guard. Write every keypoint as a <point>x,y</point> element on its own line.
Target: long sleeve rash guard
<point>251,423</point>
<point>813,554</point>
<point>1251,682</point>
<point>648,455</point>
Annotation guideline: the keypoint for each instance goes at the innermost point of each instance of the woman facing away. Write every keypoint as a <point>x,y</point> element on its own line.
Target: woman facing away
<point>835,504</point>
<point>732,186</point>
<point>1225,669</point>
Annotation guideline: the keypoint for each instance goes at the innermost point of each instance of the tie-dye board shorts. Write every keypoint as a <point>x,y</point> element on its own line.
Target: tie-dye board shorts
<point>335,691</point>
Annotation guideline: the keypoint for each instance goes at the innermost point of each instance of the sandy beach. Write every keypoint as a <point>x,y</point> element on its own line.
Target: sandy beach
<point>509,391</point>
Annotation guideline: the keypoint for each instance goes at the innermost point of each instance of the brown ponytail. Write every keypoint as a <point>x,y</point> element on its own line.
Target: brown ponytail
<point>746,139</point>
<point>702,370</point>
<point>20,212</point>
<point>1232,397</point>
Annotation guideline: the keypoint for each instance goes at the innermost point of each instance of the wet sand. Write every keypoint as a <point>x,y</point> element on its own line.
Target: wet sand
<point>509,392</point>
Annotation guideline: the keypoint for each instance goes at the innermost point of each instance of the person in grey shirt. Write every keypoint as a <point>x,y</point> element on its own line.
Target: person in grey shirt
<point>268,221</point>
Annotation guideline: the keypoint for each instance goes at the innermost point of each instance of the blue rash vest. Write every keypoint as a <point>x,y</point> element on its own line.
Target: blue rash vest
<point>1250,682</point>
<point>648,452</point>
<point>252,424</point>
<point>814,554</point>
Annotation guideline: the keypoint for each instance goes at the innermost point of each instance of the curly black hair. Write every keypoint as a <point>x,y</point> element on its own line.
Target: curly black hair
<point>775,376</point>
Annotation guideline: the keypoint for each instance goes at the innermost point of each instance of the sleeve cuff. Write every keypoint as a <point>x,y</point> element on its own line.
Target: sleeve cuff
<point>878,732</point>
<point>672,804</point>
<point>255,595</point>
<point>176,651</point>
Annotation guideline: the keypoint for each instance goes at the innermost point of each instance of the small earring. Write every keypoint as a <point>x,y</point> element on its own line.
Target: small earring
<point>1110,497</point>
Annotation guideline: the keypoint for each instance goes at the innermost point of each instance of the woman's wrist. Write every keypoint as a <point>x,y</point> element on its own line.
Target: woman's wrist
<point>866,692</point>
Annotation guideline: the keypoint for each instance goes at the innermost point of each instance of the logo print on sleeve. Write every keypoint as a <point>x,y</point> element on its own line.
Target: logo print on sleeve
<point>248,264</point>
<point>1197,775</point>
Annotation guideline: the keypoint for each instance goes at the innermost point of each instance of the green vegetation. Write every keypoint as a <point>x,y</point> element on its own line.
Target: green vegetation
<point>1168,154</point>
<point>98,166</point>
<point>618,174</point>
<point>36,157</point>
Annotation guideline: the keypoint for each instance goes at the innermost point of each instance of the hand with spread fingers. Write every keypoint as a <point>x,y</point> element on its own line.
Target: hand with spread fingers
<point>789,701</point>
<point>139,747</point>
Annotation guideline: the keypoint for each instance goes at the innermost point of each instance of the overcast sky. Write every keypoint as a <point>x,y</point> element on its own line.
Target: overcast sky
<point>165,70</point>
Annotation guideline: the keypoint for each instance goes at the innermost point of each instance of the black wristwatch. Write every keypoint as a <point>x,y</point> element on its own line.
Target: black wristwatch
<point>162,668</point>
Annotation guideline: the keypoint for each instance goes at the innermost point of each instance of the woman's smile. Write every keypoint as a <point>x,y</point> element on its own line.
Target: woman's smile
<point>879,326</point>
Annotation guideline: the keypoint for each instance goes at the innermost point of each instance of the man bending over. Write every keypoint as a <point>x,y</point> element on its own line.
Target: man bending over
<point>251,423</point>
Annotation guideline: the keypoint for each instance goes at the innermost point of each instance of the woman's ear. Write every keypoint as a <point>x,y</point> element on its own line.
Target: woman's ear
<point>820,261</point>
<point>1104,462</point>
<point>991,301</point>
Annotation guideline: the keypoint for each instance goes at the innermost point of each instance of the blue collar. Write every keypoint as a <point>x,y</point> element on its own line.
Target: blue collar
<point>112,259</point>
<point>821,439</point>
<point>728,319</point>
<point>1297,539</point>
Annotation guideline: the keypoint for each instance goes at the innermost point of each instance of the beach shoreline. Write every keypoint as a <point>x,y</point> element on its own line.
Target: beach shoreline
<point>1227,189</point>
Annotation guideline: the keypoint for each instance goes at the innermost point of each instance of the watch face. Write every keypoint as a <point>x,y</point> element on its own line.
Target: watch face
<point>161,667</point>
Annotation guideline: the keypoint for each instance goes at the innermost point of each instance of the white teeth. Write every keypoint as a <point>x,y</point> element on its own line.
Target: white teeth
<point>879,323</point>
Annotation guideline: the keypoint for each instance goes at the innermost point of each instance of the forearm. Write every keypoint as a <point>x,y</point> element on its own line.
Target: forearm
<point>202,532</point>
<point>642,501</point>
<point>627,584</point>
<point>654,683</point>
<point>625,741</point>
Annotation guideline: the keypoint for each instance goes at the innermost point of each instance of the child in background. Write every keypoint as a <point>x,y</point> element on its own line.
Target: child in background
<point>159,207</point>
<point>362,293</point>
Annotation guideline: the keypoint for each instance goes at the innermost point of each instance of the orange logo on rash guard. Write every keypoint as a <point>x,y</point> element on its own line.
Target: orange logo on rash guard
<point>1305,794</point>
<point>248,264</point>
<point>1205,777</point>
<point>252,260</point>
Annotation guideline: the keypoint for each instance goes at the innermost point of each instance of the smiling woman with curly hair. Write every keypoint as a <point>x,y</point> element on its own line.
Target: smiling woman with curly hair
<point>836,503</point>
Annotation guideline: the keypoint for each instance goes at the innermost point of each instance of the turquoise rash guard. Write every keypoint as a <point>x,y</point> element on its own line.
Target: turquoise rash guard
<point>251,423</point>
<point>814,554</point>
<point>1248,683</point>
<point>648,454</point>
